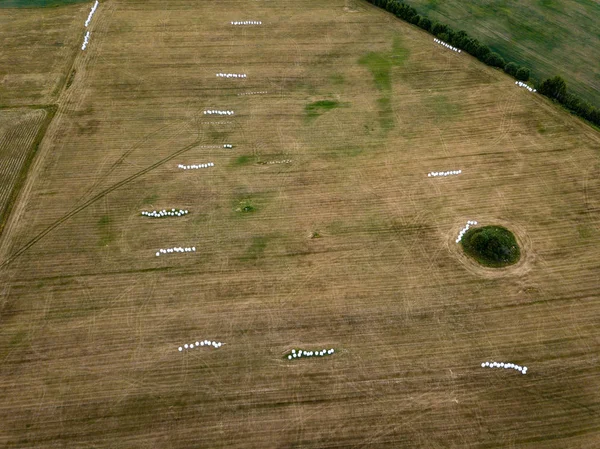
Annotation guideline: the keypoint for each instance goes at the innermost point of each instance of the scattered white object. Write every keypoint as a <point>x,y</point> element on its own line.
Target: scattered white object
<point>438,41</point>
<point>176,249</point>
<point>195,166</point>
<point>86,40</point>
<point>521,369</point>
<point>286,161</point>
<point>248,22</point>
<point>165,213</point>
<point>434,174</point>
<point>524,85</point>
<point>304,353</point>
<point>214,344</point>
<point>465,229</point>
<point>254,93</point>
<point>217,112</point>
<point>93,10</point>
<point>231,75</point>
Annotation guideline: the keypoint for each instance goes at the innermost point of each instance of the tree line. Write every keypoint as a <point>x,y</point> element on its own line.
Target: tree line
<point>554,88</point>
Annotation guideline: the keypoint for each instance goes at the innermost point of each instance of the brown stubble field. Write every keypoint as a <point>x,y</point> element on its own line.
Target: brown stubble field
<point>91,319</point>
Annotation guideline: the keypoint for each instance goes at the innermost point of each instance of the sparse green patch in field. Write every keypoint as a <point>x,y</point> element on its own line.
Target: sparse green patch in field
<point>106,234</point>
<point>37,3</point>
<point>257,248</point>
<point>337,79</point>
<point>150,199</point>
<point>386,113</point>
<point>380,65</point>
<point>341,151</point>
<point>245,159</point>
<point>492,246</point>
<point>442,107</point>
<point>317,108</point>
<point>245,206</point>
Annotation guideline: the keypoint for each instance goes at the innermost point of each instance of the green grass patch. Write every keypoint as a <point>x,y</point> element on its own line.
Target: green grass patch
<point>37,3</point>
<point>386,113</point>
<point>150,199</point>
<point>442,107</point>
<point>245,159</point>
<point>337,79</point>
<point>492,246</point>
<point>106,234</point>
<point>380,65</point>
<point>257,248</point>
<point>317,108</point>
<point>245,206</point>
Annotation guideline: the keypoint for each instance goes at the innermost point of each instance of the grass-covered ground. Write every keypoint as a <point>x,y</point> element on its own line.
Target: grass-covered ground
<point>552,37</point>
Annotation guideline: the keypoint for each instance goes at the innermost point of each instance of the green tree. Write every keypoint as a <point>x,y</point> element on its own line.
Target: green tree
<point>522,74</point>
<point>425,24</point>
<point>495,60</point>
<point>511,68</point>
<point>554,88</point>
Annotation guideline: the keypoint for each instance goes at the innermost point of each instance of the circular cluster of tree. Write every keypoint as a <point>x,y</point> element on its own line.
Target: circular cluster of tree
<point>493,246</point>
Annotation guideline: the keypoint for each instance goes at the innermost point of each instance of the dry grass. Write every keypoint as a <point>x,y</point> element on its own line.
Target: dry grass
<point>19,129</point>
<point>91,319</point>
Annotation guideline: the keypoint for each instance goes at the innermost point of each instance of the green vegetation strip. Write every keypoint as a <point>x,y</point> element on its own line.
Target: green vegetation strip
<point>553,88</point>
<point>492,246</point>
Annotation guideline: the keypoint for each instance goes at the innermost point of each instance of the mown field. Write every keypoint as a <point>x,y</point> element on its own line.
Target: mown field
<point>552,37</point>
<point>19,129</point>
<point>365,106</point>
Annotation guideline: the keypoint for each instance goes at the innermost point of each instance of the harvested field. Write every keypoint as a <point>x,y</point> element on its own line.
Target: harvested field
<point>92,319</point>
<point>38,48</point>
<point>18,131</point>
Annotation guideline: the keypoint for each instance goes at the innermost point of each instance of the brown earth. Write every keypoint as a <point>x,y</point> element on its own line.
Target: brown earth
<point>91,319</point>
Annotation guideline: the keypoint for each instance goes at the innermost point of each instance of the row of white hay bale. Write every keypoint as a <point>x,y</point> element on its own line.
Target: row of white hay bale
<point>301,353</point>
<point>217,112</point>
<point>446,45</point>
<point>522,369</point>
<point>231,75</point>
<point>93,10</point>
<point>465,229</point>
<point>286,161</point>
<point>443,173</point>
<point>207,343</point>
<point>253,93</point>
<point>177,249</point>
<point>227,145</point>
<point>248,22</point>
<point>165,213</point>
<point>195,167</point>
<point>522,84</point>
<point>86,40</point>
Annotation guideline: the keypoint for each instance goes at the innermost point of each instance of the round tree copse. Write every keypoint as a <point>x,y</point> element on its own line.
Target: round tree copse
<point>492,246</point>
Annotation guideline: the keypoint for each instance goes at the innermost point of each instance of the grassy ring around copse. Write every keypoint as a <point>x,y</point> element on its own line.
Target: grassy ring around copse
<point>492,246</point>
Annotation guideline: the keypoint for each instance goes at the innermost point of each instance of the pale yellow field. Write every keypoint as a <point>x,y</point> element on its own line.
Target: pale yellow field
<point>91,318</point>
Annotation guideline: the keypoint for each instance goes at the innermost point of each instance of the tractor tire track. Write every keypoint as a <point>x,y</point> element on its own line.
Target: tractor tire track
<point>92,200</point>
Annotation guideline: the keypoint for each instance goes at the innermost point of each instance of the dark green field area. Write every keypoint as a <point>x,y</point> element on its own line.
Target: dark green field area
<point>552,37</point>
<point>37,3</point>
